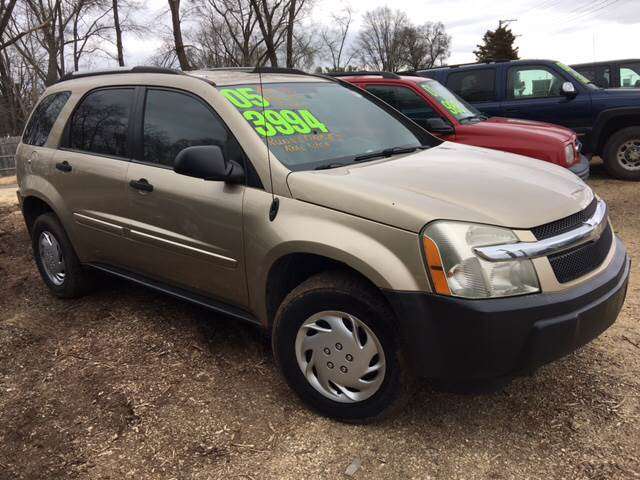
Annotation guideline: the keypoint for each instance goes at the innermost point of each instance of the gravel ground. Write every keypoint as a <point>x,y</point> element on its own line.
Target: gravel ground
<point>127,383</point>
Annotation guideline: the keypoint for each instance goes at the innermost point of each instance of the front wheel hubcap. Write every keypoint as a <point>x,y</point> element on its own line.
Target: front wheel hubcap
<point>52,258</point>
<point>340,356</point>
<point>629,154</point>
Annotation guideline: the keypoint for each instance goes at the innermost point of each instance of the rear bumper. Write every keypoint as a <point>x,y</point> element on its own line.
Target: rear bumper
<point>581,168</point>
<point>453,338</point>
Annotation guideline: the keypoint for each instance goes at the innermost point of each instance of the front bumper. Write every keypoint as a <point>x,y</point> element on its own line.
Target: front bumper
<point>453,338</point>
<point>581,168</point>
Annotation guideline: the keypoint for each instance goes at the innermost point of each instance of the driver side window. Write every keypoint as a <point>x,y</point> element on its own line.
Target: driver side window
<point>533,82</point>
<point>407,101</point>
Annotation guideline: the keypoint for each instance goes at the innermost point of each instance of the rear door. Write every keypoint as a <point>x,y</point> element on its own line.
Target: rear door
<point>185,231</point>
<point>90,172</point>
<point>533,92</point>
<point>477,86</point>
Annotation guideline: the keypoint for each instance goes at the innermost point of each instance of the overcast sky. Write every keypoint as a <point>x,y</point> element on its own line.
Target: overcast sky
<point>571,31</point>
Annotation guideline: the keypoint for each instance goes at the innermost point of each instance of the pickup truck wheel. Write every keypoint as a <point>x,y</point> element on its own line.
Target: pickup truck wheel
<point>334,342</point>
<point>622,154</point>
<point>56,259</point>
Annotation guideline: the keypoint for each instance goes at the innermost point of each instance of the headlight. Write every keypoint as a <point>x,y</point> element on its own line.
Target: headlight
<point>569,153</point>
<point>456,270</point>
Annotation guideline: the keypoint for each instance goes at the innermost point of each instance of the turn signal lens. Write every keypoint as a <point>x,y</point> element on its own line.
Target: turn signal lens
<point>434,263</point>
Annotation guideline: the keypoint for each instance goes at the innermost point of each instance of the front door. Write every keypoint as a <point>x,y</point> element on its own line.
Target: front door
<point>185,231</point>
<point>534,93</point>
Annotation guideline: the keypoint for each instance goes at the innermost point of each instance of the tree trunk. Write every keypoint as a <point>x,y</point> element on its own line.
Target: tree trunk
<point>266,30</point>
<point>292,17</point>
<point>174,5</point>
<point>61,38</point>
<point>116,23</point>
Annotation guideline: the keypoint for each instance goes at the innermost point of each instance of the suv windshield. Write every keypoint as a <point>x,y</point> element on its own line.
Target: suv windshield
<point>311,125</point>
<point>578,76</point>
<point>449,100</point>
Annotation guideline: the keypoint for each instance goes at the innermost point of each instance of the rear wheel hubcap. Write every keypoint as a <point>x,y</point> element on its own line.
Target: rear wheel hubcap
<point>629,154</point>
<point>340,356</point>
<point>52,258</point>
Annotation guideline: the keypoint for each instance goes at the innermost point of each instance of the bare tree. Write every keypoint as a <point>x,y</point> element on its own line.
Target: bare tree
<point>118,31</point>
<point>181,53</point>
<point>380,39</point>
<point>423,45</point>
<point>334,40</point>
<point>231,25</point>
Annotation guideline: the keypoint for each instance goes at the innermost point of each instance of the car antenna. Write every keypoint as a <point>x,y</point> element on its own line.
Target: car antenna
<point>275,202</point>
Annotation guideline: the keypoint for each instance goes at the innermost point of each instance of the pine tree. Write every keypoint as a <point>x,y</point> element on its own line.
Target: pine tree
<point>498,45</point>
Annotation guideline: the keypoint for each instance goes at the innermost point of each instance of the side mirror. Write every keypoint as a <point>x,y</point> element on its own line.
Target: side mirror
<point>207,162</point>
<point>437,125</point>
<point>568,90</point>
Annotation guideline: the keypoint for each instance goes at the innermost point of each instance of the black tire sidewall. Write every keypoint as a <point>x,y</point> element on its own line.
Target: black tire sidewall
<point>75,280</point>
<point>610,154</point>
<point>293,314</point>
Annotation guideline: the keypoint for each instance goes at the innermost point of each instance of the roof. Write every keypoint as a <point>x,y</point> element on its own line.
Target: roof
<point>233,76</point>
<point>218,76</point>
<point>486,64</point>
<point>382,75</point>
<point>606,62</point>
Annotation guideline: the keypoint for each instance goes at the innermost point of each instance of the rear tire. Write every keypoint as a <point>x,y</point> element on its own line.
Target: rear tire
<point>352,378</point>
<point>621,154</point>
<point>56,259</point>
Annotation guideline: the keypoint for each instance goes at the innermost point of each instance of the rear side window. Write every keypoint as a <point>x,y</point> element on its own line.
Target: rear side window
<point>407,101</point>
<point>100,124</point>
<point>43,118</point>
<point>174,121</point>
<point>474,85</point>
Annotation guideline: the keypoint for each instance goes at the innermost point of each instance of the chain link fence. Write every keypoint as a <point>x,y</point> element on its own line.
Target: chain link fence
<point>8,146</point>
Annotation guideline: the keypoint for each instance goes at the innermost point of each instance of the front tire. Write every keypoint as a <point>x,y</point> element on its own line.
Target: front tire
<point>622,154</point>
<point>56,259</point>
<point>334,341</point>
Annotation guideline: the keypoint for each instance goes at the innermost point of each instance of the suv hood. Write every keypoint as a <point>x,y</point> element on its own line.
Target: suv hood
<point>451,181</point>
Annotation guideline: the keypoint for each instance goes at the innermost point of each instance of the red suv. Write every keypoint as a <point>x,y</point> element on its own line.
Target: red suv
<point>445,115</point>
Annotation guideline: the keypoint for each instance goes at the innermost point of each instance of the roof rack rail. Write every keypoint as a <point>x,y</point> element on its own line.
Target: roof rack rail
<point>467,64</point>
<point>292,71</point>
<point>111,71</point>
<point>360,73</point>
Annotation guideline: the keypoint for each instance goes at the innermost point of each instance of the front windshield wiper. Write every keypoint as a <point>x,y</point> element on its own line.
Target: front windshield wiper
<point>472,117</point>
<point>387,152</point>
<point>328,166</point>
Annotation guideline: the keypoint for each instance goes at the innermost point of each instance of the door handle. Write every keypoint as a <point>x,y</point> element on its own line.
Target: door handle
<point>63,166</point>
<point>143,185</point>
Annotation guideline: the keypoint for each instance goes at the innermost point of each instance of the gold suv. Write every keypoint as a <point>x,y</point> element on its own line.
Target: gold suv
<point>369,250</point>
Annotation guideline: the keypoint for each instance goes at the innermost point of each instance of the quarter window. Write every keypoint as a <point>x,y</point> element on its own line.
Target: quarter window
<point>474,85</point>
<point>533,82</point>
<point>407,101</point>
<point>43,118</point>
<point>100,124</point>
<point>174,121</point>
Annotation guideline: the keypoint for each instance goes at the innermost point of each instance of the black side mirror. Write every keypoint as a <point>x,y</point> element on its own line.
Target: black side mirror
<point>207,162</point>
<point>437,125</point>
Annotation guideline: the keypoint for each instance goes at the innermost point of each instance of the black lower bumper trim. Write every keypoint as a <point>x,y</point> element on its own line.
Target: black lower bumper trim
<point>453,338</point>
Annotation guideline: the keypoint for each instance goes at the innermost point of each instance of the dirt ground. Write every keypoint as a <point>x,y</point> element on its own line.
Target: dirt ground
<point>127,383</point>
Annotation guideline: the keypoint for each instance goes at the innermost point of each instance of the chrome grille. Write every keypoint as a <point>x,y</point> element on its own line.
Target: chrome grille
<point>565,224</point>
<point>572,264</point>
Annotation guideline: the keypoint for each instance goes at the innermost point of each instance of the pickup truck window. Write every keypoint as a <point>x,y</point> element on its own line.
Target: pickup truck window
<point>533,82</point>
<point>307,124</point>
<point>474,85</point>
<point>630,75</point>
